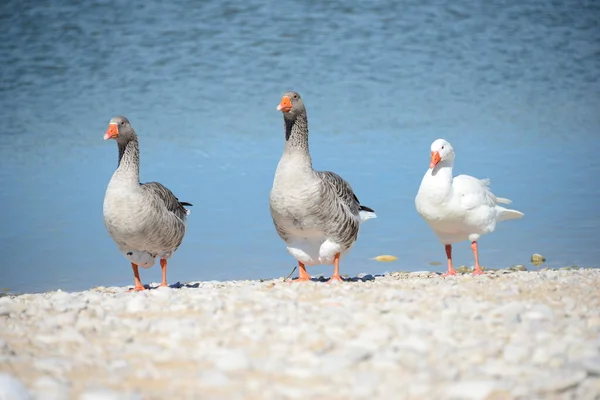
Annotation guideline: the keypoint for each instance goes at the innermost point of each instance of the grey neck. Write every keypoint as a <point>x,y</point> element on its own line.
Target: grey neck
<point>296,135</point>
<point>129,160</point>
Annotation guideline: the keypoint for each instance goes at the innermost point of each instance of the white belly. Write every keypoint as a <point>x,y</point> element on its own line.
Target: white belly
<point>143,258</point>
<point>313,248</point>
<point>140,258</point>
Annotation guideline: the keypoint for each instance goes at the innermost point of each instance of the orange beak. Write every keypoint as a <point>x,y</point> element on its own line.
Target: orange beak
<point>285,105</point>
<point>112,132</point>
<point>435,159</point>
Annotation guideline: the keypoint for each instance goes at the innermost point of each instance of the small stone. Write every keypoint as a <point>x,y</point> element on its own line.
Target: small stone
<point>48,388</point>
<point>12,389</point>
<point>476,390</point>
<point>214,378</point>
<point>589,389</point>
<point>539,312</point>
<point>518,267</point>
<point>62,319</point>
<point>592,366</point>
<point>509,313</point>
<point>540,356</point>
<point>9,306</point>
<point>560,382</point>
<point>118,365</point>
<point>463,269</point>
<point>107,394</point>
<point>365,277</point>
<point>4,346</point>
<point>232,360</point>
<point>515,354</point>
<point>415,343</point>
<point>557,361</point>
<point>52,365</point>
<point>569,304</point>
<point>537,259</point>
<point>593,323</point>
<point>162,292</point>
<point>137,303</point>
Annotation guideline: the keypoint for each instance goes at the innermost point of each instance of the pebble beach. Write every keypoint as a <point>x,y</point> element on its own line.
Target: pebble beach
<point>503,335</point>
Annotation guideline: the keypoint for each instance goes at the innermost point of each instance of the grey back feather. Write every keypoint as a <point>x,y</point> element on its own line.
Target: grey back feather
<point>339,208</point>
<point>164,196</point>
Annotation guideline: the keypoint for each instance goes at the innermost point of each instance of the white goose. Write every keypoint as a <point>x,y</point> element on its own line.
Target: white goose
<point>145,220</point>
<point>459,208</point>
<point>316,213</point>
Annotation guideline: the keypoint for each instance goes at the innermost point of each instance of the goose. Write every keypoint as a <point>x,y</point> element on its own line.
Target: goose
<point>145,220</point>
<point>460,208</point>
<point>316,213</point>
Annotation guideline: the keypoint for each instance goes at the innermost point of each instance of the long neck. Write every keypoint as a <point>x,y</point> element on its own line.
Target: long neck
<point>129,160</point>
<point>438,182</point>
<point>296,138</point>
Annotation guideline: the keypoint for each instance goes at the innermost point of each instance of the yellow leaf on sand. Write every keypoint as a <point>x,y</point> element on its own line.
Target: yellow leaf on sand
<point>385,258</point>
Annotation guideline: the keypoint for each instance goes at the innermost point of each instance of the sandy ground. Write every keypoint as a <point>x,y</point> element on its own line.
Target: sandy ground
<point>503,335</point>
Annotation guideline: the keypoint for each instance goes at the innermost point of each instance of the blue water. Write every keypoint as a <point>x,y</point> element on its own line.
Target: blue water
<point>513,85</point>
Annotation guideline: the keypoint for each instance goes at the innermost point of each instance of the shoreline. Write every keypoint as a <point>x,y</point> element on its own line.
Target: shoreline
<point>408,335</point>
<point>461,270</point>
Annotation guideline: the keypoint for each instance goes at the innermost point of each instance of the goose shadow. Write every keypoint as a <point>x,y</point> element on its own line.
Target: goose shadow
<point>318,278</point>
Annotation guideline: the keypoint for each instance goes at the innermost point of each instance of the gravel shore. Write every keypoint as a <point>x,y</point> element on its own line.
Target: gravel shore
<point>503,335</point>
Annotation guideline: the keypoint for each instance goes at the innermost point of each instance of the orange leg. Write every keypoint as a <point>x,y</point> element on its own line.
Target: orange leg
<point>163,266</point>
<point>136,276</point>
<point>451,270</point>
<point>336,269</point>
<point>477,270</point>
<point>303,276</point>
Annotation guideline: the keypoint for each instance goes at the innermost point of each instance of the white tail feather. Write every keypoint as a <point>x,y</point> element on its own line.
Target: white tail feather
<point>365,215</point>
<point>506,214</point>
<point>502,200</point>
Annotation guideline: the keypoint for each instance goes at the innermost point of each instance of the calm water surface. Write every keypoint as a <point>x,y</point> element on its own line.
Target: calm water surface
<point>513,86</point>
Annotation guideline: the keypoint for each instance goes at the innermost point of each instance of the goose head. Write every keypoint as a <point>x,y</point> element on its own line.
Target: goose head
<point>441,150</point>
<point>119,129</point>
<point>291,105</point>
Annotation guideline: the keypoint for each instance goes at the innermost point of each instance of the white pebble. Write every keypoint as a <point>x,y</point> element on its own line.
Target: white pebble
<point>107,394</point>
<point>231,360</point>
<point>53,365</point>
<point>560,381</point>
<point>402,335</point>
<point>592,365</point>
<point>515,354</point>
<point>508,313</point>
<point>540,312</point>
<point>475,390</point>
<point>12,389</point>
<point>214,378</point>
<point>137,303</point>
<point>47,388</point>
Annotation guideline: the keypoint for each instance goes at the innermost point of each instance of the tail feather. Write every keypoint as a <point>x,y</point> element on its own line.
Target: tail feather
<point>506,214</point>
<point>365,208</point>
<point>186,204</point>
<point>366,213</point>
<point>502,200</point>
